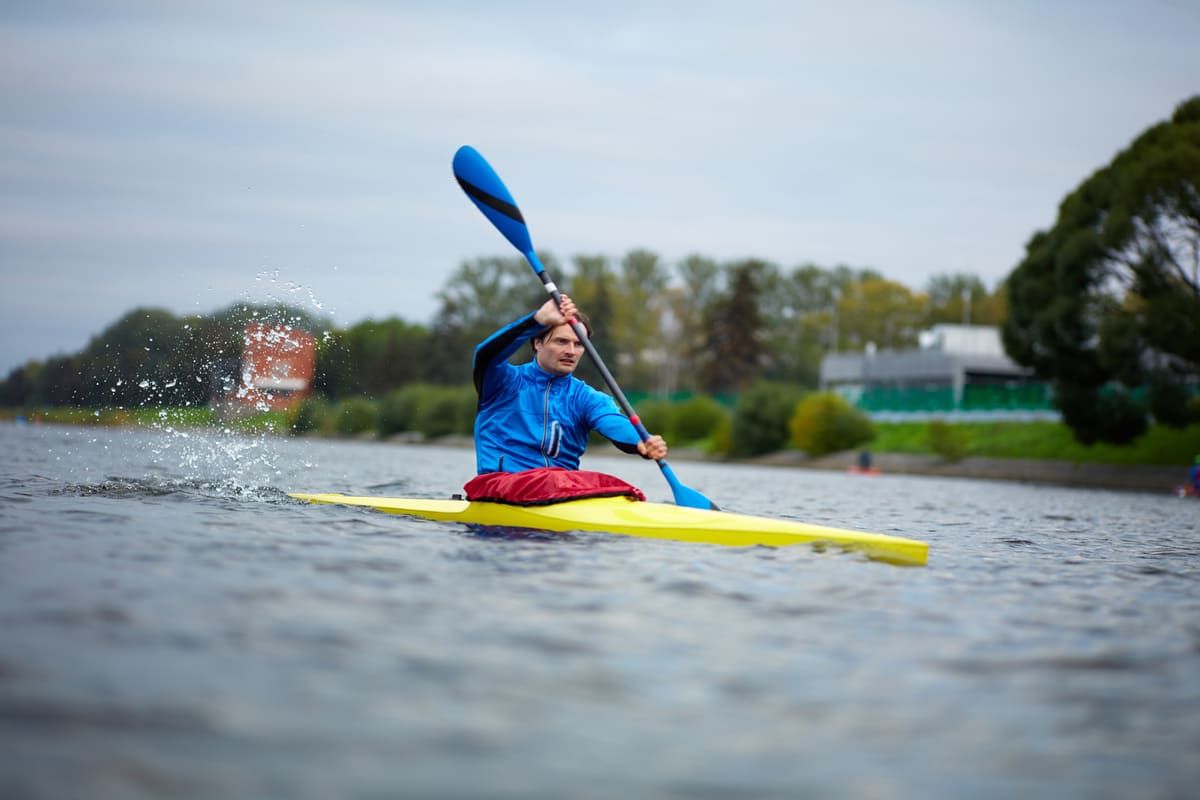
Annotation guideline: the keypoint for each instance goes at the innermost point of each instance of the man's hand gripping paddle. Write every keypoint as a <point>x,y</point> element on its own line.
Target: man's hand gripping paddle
<point>489,194</point>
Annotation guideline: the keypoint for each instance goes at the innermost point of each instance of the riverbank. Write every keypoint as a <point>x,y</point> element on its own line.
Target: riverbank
<point>1128,477</point>
<point>1157,478</point>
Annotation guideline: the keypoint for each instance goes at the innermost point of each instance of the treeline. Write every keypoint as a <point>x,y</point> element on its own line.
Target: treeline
<point>701,325</point>
<point>149,357</point>
<point>697,325</point>
<point>767,417</point>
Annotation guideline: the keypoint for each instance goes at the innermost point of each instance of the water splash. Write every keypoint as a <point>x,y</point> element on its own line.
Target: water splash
<point>126,488</point>
<point>186,380</point>
<point>289,290</point>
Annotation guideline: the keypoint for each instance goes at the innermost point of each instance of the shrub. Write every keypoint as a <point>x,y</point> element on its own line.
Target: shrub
<point>357,415</point>
<point>1109,414</point>
<point>721,442</point>
<point>443,410</point>
<point>1169,403</point>
<point>948,441</point>
<point>760,420</point>
<point>398,411</point>
<point>824,423</point>
<point>657,416</point>
<point>697,418</point>
<point>310,414</point>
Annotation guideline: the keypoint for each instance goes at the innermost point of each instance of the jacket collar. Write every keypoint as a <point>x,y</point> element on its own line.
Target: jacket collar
<point>541,375</point>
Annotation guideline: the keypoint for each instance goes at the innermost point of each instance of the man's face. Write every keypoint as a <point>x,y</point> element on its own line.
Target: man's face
<point>560,351</point>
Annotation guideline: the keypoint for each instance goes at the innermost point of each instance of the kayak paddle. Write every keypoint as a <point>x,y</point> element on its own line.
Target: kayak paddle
<point>489,194</point>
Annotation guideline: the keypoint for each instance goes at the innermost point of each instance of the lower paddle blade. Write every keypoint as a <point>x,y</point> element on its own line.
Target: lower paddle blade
<point>685,495</point>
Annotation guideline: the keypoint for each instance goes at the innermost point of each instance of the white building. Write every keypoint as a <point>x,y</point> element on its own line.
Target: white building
<point>950,358</point>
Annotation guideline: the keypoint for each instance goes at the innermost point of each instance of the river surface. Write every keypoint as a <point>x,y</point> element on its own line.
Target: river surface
<point>173,625</point>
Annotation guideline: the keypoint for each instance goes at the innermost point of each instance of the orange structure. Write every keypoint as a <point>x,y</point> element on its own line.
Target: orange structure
<point>278,363</point>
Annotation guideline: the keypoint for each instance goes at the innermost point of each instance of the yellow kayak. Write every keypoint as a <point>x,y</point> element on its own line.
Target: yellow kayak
<point>622,515</point>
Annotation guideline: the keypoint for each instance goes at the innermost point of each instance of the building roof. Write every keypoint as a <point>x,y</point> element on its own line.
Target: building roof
<point>952,353</point>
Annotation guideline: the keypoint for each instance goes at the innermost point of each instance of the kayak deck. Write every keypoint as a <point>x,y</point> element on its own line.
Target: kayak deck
<point>621,515</point>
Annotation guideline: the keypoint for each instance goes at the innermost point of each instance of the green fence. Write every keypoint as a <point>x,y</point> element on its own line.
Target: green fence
<point>976,397</point>
<point>1000,397</point>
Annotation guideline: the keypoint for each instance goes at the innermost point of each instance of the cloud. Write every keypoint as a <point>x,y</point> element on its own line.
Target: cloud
<point>205,143</point>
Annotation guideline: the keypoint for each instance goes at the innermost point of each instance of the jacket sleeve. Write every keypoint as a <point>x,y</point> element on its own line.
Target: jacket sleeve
<point>492,354</point>
<point>607,419</point>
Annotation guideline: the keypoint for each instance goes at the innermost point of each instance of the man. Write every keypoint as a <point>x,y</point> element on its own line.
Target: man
<point>539,414</point>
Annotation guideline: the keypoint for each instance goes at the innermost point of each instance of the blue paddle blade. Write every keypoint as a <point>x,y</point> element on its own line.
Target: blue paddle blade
<point>489,194</point>
<point>685,495</point>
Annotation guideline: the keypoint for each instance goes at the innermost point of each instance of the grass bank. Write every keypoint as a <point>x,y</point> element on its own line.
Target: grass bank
<point>1039,440</point>
<point>177,417</point>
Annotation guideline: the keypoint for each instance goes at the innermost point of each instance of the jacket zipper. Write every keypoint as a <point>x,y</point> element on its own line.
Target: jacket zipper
<point>545,422</point>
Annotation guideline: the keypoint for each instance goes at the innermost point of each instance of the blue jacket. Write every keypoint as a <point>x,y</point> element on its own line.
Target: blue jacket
<point>530,418</point>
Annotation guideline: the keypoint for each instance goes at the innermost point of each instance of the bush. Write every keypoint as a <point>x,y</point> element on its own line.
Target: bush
<point>697,419</point>
<point>357,415</point>
<point>760,420</point>
<point>721,442</point>
<point>1170,403</point>
<point>946,440</point>
<point>398,411</point>
<point>825,423</point>
<point>442,411</point>
<point>657,416</point>
<point>312,414</point>
<point>1109,414</point>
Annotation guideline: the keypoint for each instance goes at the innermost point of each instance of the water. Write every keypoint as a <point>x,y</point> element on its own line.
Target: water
<point>174,626</point>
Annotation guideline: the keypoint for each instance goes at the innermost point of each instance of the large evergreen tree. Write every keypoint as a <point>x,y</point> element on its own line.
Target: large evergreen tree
<point>734,350</point>
<point>1109,298</point>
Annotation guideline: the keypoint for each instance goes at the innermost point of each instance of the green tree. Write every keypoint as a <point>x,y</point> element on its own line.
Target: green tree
<point>1110,295</point>
<point>134,362</point>
<point>60,382</point>
<point>799,307</point>
<point>638,320</point>
<point>962,298</point>
<point>378,356</point>
<point>479,297</point>
<point>760,420</point>
<point>734,353</point>
<point>700,283</point>
<point>150,357</point>
<point>17,388</point>
<point>593,287</point>
<point>879,311</point>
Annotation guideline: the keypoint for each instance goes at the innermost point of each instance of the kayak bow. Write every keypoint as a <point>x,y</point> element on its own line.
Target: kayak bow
<point>651,520</point>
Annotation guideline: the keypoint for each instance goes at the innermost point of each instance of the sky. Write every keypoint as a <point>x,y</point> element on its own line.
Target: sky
<point>191,155</point>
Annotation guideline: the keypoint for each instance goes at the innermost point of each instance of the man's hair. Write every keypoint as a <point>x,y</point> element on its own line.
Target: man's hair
<point>579,315</point>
